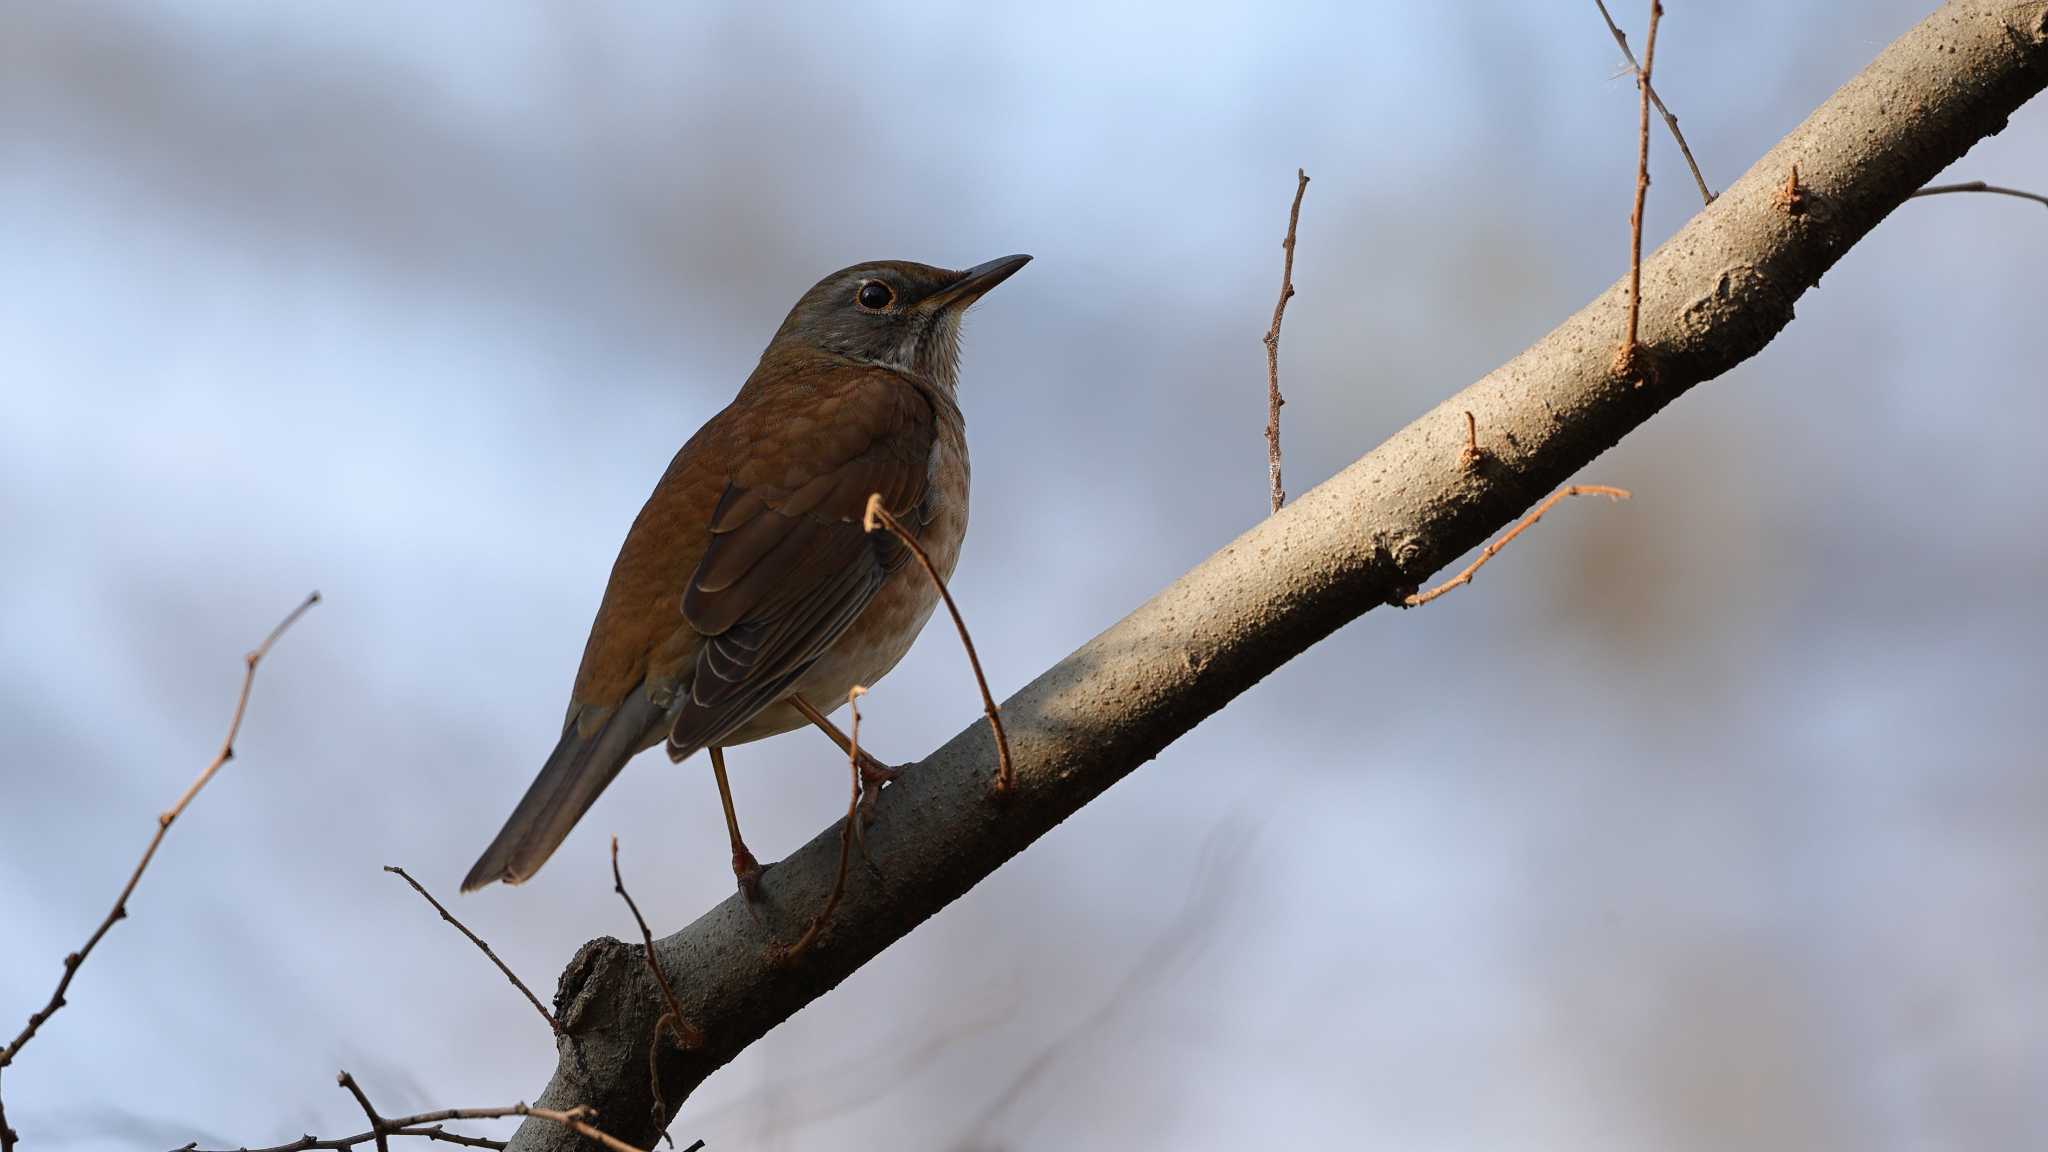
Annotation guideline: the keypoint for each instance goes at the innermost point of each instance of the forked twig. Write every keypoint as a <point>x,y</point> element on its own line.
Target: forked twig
<point>1273,400</point>
<point>1670,121</point>
<point>846,834</point>
<point>428,1125</point>
<point>878,516</point>
<point>163,825</point>
<point>686,1034</point>
<point>554,1025</point>
<point>1629,360</point>
<point>577,1120</point>
<point>1493,549</point>
<point>378,1128</point>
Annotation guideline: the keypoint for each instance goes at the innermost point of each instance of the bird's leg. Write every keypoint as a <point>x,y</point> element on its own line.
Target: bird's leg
<point>744,866</point>
<point>873,773</point>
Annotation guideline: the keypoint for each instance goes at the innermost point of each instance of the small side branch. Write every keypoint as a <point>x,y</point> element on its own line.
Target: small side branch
<point>428,1125</point>
<point>1471,455</point>
<point>671,1018</point>
<point>1273,398</point>
<point>1493,549</point>
<point>164,821</point>
<point>846,833</point>
<point>1980,186</point>
<point>554,1025</point>
<point>379,1129</point>
<point>879,517</point>
<point>1670,121</point>
<point>1631,360</point>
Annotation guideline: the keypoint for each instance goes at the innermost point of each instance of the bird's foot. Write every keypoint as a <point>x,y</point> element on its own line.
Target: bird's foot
<point>873,775</point>
<point>747,871</point>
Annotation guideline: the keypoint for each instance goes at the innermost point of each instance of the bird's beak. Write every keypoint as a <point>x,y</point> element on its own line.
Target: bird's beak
<point>976,281</point>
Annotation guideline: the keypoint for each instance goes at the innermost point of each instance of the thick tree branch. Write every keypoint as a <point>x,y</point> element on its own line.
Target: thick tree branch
<point>1713,296</point>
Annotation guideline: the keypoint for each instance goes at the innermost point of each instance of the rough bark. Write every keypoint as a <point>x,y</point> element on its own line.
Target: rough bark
<point>1713,295</point>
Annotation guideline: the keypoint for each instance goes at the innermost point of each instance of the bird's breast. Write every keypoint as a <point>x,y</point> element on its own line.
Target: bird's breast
<point>884,631</point>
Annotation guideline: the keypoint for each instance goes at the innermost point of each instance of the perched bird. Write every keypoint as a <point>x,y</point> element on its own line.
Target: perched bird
<point>748,599</point>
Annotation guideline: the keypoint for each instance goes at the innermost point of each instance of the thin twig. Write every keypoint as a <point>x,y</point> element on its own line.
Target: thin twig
<point>163,825</point>
<point>686,1034</point>
<point>846,833</point>
<point>1470,456</point>
<point>553,1024</point>
<point>1630,359</point>
<point>428,1125</point>
<point>878,516</point>
<point>378,1126</point>
<point>1670,121</point>
<point>1465,577</point>
<point>393,1128</point>
<point>1273,400</point>
<point>1980,186</point>
<point>577,1119</point>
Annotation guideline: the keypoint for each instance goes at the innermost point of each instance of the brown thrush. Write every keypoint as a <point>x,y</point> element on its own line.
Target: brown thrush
<point>747,590</point>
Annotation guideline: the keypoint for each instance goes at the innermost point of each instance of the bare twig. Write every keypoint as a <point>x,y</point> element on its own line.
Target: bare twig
<point>846,834</point>
<point>577,1120</point>
<point>1980,186</point>
<point>672,1017</point>
<point>553,1024</point>
<point>428,1125</point>
<point>1465,577</point>
<point>163,825</point>
<point>1670,121</point>
<point>399,1127</point>
<point>686,1035</point>
<point>1470,456</point>
<point>878,516</point>
<point>378,1126</point>
<point>1630,360</point>
<point>1273,400</point>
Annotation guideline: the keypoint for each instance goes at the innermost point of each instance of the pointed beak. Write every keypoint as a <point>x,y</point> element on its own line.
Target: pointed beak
<point>976,281</point>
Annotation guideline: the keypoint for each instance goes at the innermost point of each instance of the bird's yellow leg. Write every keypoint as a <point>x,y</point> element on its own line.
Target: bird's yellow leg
<point>872,771</point>
<point>744,866</point>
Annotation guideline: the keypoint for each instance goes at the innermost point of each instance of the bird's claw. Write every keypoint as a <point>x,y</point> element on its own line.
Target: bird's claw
<point>747,871</point>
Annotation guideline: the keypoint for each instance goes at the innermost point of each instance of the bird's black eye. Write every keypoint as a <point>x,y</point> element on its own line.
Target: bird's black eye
<point>874,295</point>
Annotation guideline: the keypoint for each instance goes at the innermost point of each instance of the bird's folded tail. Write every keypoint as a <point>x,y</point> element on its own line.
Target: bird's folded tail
<point>568,784</point>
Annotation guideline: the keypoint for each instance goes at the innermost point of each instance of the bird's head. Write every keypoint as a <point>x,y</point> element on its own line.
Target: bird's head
<point>893,313</point>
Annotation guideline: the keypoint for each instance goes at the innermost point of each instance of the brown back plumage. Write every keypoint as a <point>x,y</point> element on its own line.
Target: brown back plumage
<point>749,560</point>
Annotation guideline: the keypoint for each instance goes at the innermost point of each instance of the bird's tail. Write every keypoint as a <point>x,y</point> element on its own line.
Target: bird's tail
<point>569,783</point>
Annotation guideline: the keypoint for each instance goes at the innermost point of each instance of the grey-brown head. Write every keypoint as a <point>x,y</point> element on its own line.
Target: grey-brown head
<point>893,313</point>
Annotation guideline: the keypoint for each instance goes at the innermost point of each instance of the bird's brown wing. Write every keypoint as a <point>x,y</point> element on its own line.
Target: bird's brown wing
<point>745,564</point>
<point>789,566</point>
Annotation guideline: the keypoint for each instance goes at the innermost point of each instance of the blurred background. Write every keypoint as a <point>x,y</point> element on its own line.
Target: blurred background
<point>1709,820</point>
